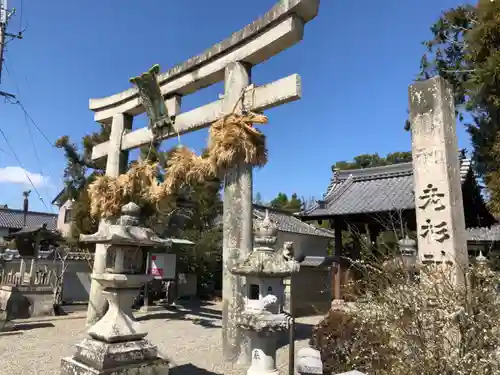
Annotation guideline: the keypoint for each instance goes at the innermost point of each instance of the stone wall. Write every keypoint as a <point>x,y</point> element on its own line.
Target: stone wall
<point>304,244</point>
<point>311,291</point>
<point>311,285</point>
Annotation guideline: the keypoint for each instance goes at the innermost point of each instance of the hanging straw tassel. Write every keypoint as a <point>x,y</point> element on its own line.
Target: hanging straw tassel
<point>233,140</point>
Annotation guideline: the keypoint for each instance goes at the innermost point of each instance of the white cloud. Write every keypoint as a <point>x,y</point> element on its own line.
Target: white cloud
<point>18,175</point>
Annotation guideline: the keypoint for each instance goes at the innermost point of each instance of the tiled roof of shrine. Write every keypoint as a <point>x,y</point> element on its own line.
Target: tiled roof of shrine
<point>317,261</point>
<point>14,219</point>
<point>484,234</point>
<point>285,222</point>
<point>370,190</point>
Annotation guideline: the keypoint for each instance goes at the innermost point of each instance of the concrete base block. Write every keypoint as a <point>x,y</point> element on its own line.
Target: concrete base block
<point>103,355</point>
<point>157,366</point>
<point>26,301</point>
<point>136,357</point>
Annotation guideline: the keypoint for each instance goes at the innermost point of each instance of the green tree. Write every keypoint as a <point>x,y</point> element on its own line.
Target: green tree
<point>373,160</point>
<point>295,204</point>
<point>465,50</point>
<point>398,157</point>
<point>280,201</point>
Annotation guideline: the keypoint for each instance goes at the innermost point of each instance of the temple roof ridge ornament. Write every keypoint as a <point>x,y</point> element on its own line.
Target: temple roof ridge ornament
<point>264,260</point>
<point>265,233</point>
<point>481,259</point>
<point>152,100</point>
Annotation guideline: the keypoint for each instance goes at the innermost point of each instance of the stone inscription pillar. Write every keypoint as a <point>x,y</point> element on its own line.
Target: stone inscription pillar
<point>237,228</point>
<point>438,191</point>
<point>115,164</point>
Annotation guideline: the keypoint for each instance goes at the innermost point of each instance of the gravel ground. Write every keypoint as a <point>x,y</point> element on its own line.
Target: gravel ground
<point>190,338</point>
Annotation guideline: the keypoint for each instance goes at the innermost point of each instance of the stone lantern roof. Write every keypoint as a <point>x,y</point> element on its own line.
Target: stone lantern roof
<point>264,261</point>
<point>126,232</point>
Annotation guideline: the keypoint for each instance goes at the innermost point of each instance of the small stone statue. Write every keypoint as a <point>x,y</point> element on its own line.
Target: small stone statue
<point>288,250</point>
<point>270,303</point>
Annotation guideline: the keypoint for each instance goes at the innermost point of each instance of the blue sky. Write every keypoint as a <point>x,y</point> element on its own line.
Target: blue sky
<point>356,62</point>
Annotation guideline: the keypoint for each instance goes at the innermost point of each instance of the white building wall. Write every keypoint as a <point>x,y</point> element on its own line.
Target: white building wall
<point>65,228</point>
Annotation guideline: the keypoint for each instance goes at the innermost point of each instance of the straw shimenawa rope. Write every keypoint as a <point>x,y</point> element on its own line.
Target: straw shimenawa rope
<point>232,141</point>
<point>107,195</point>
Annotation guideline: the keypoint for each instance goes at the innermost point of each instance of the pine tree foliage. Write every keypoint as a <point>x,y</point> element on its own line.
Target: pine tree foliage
<point>79,172</point>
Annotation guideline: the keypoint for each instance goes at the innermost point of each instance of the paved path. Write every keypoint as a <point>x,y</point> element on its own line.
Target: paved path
<point>190,338</point>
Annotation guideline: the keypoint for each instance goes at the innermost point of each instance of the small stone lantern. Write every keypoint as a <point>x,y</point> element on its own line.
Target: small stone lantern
<point>263,317</point>
<point>116,343</point>
<point>408,249</point>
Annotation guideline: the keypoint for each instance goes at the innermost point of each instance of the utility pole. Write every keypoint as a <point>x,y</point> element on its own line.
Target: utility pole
<point>4,19</point>
<point>5,16</point>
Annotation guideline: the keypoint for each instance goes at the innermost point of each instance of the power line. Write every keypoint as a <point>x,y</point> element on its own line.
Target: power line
<point>36,155</point>
<point>23,108</point>
<point>21,165</point>
<point>26,117</point>
<point>34,123</point>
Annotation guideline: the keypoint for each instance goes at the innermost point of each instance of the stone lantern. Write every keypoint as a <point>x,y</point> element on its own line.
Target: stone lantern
<point>263,317</point>
<point>116,343</point>
<point>481,260</point>
<point>408,249</point>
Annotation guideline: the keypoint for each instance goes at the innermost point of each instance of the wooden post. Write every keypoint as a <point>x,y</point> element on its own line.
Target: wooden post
<point>22,270</point>
<point>291,334</point>
<point>34,260</point>
<point>115,164</point>
<point>237,227</point>
<point>338,254</point>
<point>145,306</point>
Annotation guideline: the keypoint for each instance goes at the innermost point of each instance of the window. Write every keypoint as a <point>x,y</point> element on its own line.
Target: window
<point>254,292</point>
<point>67,216</point>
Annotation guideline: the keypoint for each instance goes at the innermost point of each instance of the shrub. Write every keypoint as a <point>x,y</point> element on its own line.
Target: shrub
<point>426,326</point>
<point>342,341</point>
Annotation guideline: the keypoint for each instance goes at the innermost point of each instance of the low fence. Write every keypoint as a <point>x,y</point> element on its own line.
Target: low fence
<point>42,277</point>
<point>76,277</point>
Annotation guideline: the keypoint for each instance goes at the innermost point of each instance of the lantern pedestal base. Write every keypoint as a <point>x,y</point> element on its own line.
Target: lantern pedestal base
<point>263,354</point>
<point>69,366</point>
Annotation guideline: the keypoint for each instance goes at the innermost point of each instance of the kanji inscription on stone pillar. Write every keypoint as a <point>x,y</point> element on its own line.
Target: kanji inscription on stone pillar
<point>438,190</point>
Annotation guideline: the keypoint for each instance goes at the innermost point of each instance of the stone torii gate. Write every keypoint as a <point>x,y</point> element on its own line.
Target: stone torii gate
<point>230,60</point>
